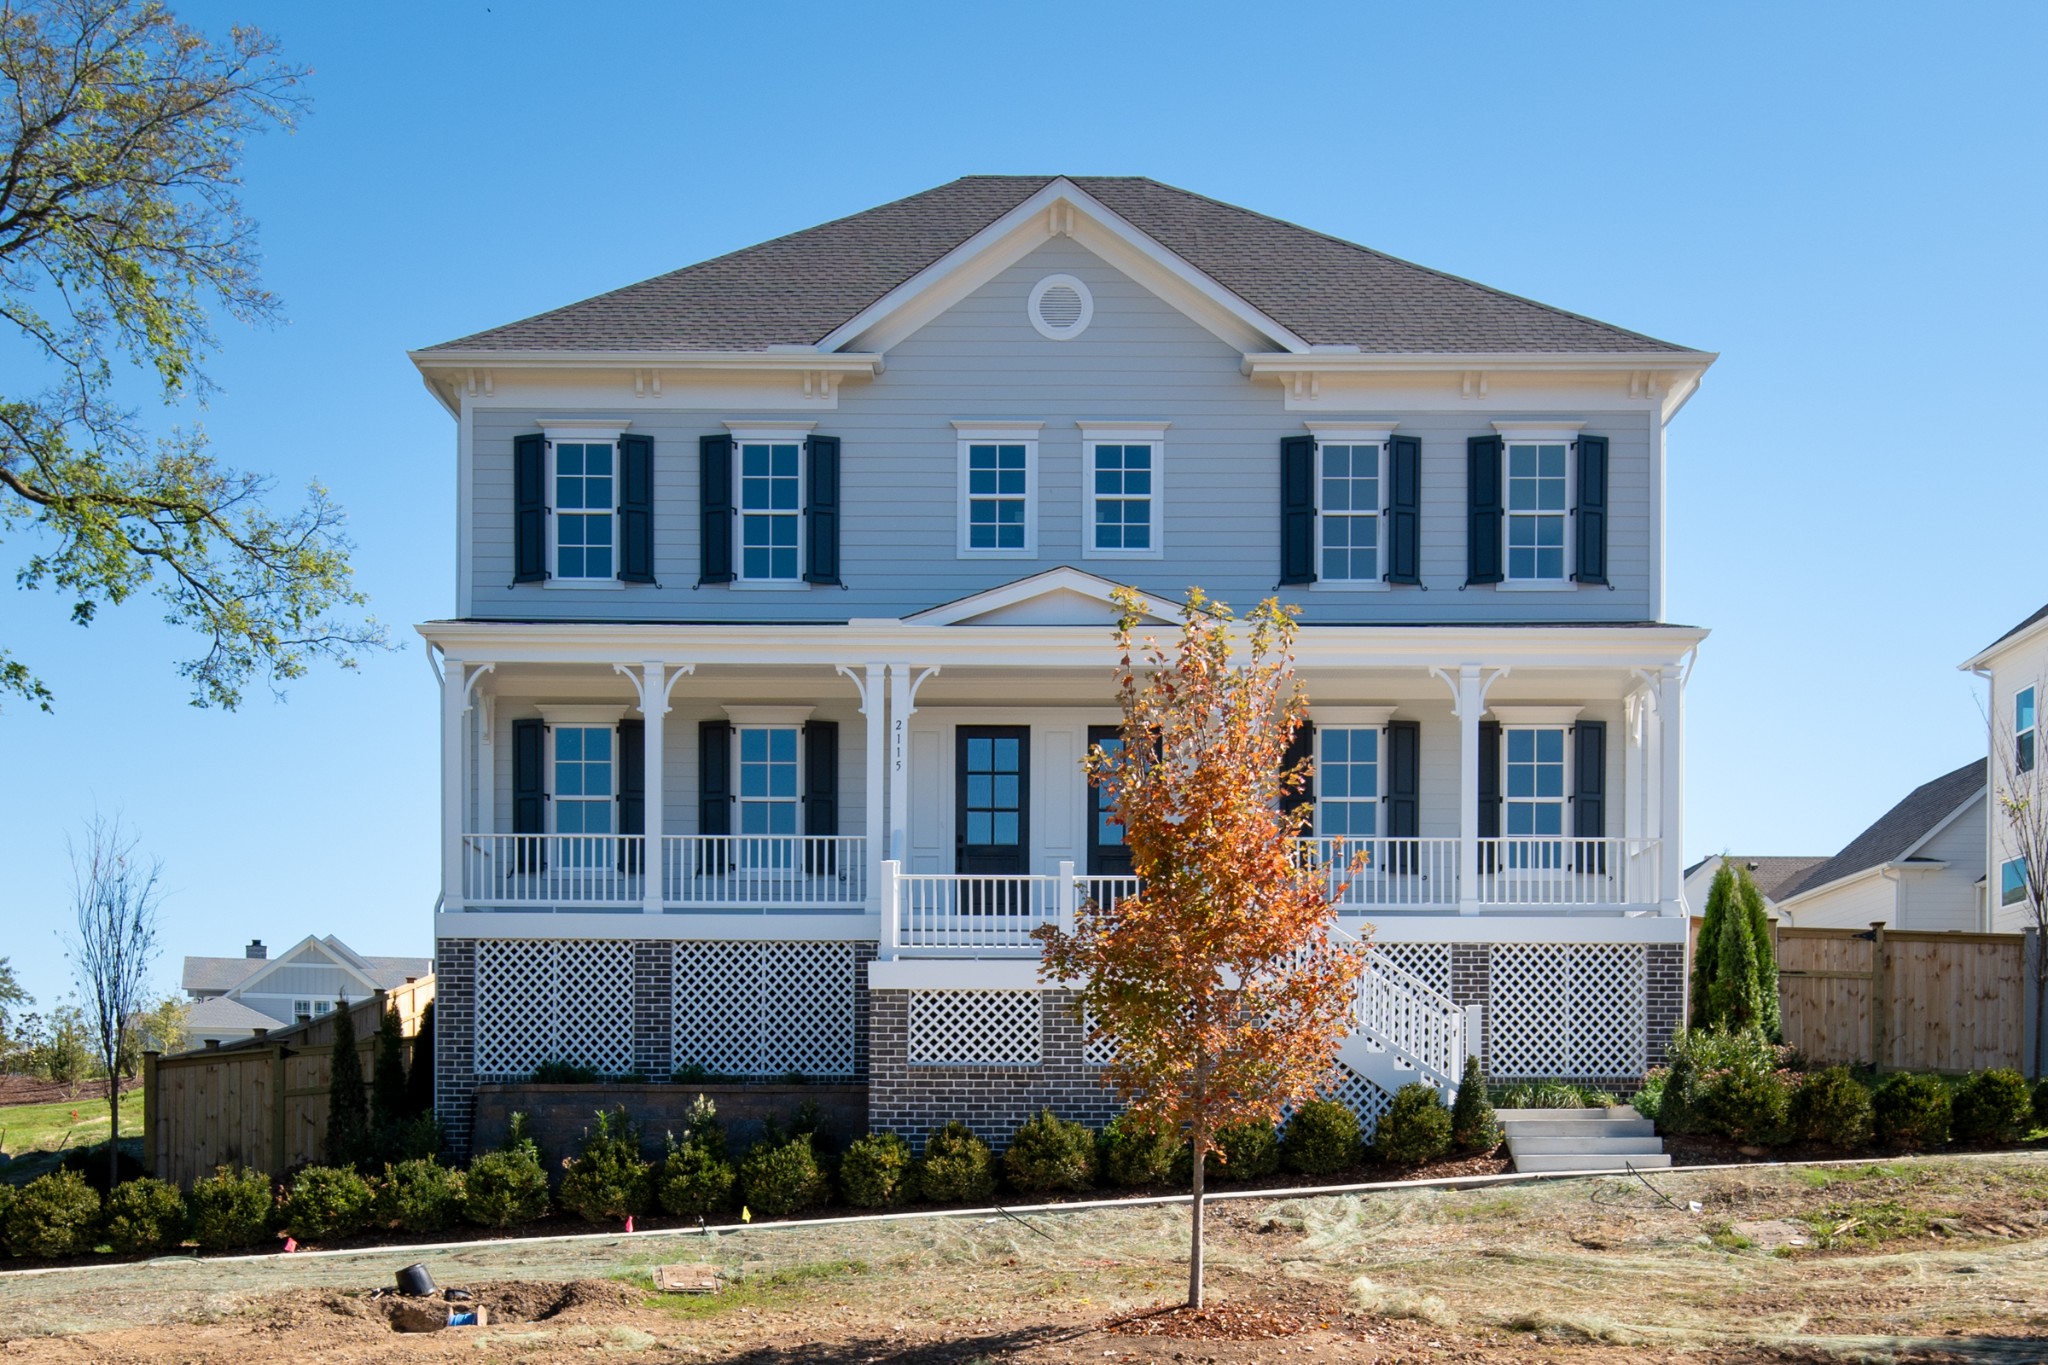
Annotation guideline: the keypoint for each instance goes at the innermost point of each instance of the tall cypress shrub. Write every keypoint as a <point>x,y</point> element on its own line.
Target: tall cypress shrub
<point>1734,1002</point>
<point>387,1078</point>
<point>1751,898</point>
<point>419,1080</point>
<point>1706,953</point>
<point>347,1120</point>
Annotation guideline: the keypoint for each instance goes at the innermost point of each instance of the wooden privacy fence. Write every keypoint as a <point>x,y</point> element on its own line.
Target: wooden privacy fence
<point>1903,1000</point>
<point>262,1103</point>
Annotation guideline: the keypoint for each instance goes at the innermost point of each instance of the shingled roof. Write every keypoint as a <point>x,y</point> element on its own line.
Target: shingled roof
<point>1899,828</point>
<point>1774,876</point>
<point>796,290</point>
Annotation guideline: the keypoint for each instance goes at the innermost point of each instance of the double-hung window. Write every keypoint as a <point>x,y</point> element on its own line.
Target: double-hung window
<point>1348,513</point>
<point>1348,782</point>
<point>584,767</point>
<point>2012,881</point>
<point>584,481</point>
<point>771,511</point>
<point>1123,489</point>
<point>2023,730</point>
<point>1537,484</point>
<point>1533,789</point>
<point>1550,504</point>
<point>998,489</point>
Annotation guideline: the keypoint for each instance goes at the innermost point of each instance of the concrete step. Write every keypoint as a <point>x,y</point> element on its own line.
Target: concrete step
<point>1558,1146</point>
<point>1580,1128</point>
<point>1619,1111</point>
<point>1596,1161</point>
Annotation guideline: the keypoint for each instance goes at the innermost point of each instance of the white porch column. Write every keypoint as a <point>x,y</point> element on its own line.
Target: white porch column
<point>874,706</point>
<point>454,699</point>
<point>653,711</point>
<point>1670,805</point>
<point>902,706</point>
<point>1471,702</point>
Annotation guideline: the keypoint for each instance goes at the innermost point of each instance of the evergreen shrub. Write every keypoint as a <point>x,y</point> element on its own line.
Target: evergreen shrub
<point>507,1187</point>
<point>1416,1127</point>
<point>608,1179</point>
<point>1474,1126</point>
<point>1912,1111</point>
<point>1047,1153</point>
<point>1321,1138</point>
<point>145,1215</point>
<point>54,1215</point>
<point>232,1208</point>
<point>1129,1154</point>
<point>419,1194</point>
<point>1833,1107</point>
<point>1249,1150</point>
<point>1991,1106</point>
<point>783,1177</point>
<point>878,1172</point>
<point>1746,1104</point>
<point>958,1167</point>
<point>326,1202</point>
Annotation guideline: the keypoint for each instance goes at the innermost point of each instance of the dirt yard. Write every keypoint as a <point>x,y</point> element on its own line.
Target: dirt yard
<point>1939,1260</point>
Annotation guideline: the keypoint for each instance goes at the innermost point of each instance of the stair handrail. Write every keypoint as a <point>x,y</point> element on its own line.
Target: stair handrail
<point>1400,1012</point>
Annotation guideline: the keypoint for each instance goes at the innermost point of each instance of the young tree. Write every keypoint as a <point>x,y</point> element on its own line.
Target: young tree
<point>1750,897</point>
<point>160,1028</point>
<point>347,1123</point>
<point>11,995</point>
<point>121,233</point>
<point>387,1077</point>
<point>419,1078</point>
<point>1220,980</point>
<point>1735,968</point>
<point>1706,952</point>
<point>115,895</point>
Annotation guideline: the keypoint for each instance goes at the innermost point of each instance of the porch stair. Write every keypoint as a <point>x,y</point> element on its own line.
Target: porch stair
<point>1403,1030</point>
<point>1583,1139</point>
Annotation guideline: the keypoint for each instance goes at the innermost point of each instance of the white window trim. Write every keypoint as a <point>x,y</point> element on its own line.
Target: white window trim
<point>301,1010</point>
<point>1372,718</point>
<point>767,718</point>
<point>1000,433</point>
<point>581,718</point>
<point>1537,718</point>
<point>767,433</point>
<point>581,432</point>
<point>1352,434</point>
<point>1123,433</point>
<point>1548,432</point>
<point>2013,709</point>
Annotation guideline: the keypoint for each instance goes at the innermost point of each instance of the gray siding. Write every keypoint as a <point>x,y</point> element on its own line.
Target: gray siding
<point>1141,359</point>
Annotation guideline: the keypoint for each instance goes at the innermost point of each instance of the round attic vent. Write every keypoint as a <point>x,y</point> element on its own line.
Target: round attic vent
<point>1061,307</point>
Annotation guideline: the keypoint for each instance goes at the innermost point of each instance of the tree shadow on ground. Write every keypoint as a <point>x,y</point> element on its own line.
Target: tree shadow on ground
<point>897,1351</point>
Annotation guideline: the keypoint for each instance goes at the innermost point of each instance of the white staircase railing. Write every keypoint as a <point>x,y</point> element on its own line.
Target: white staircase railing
<point>1416,1028</point>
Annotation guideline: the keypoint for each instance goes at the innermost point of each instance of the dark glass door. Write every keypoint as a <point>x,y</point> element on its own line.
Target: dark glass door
<point>1108,856</point>
<point>992,817</point>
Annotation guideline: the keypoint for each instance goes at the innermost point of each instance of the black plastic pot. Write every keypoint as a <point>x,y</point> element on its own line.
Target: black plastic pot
<point>415,1281</point>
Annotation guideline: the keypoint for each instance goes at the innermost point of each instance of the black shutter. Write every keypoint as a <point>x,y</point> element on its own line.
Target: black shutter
<point>714,494</point>
<point>714,777</point>
<point>821,510</point>
<point>636,509</point>
<point>1591,514</point>
<point>1489,780</point>
<point>632,789</point>
<point>821,792</point>
<point>1589,779</point>
<point>1300,750</point>
<point>1482,509</point>
<point>1404,794</point>
<point>529,492</point>
<point>1404,510</point>
<point>529,790</point>
<point>1297,509</point>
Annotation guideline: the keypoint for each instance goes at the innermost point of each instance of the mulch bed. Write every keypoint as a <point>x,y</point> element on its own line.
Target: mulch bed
<point>1213,1322</point>
<point>35,1090</point>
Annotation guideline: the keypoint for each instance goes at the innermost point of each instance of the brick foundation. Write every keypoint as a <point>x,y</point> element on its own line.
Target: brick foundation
<point>1666,1012</point>
<point>455,1040</point>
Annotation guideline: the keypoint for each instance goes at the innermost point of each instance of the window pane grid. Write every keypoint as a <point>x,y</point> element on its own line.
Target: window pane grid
<point>1536,511</point>
<point>583,779</point>
<point>768,779</point>
<point>1348,782</point>
<point>1350,520</point>
<point>584,504</point>
<point>997,489</point>
<point>1123,497</point>
<point>1533,785</point>
<point>771,500</point>
<point>994,789</point>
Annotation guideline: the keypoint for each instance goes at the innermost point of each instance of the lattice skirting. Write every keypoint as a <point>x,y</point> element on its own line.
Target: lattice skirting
<point>1360,1096</point>
<point>976,1028</point>
<point>1568,1010</point>
<point>1430,961</point>
<point>765,1010</point>
<point>553,1000</point>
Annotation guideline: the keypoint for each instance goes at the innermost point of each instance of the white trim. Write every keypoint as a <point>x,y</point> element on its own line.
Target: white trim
<point>1062,579</point>
<point>1566,435</point>
<point>582,715</point>
<point>1379,438</point>
<point>1352,433</point>
<point>764,432</point>
<point>1535,715</point>
<point>1946,821</point>
<point>771,434</point>
<point>999,431</point>
<point>1351,717</point>
<point>290,956</point>
<point>612,584</point>
<point>551,516</point>
<point>1549,431</point>
<point>1046,286</point>
<point>997,434</point>
<point>1379,768</point>
<point>632,924</point>
<point>768,715</point>
<point>582,428</point>
<point>1095,433</point>
<point>956,974</point>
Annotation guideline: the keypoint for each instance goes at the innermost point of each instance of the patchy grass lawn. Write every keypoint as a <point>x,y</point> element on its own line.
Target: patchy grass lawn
<point>53,1127</point>
<point>1943,1260</point>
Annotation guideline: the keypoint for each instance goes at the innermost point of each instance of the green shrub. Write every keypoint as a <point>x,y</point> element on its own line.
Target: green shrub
<point>6,1202</point>
<point>608,1180</point>
<point>958,1167</point>
<point>877,1172</point>
<point>1416,1127</point>
<point>1747,1105</point>
<point>1321,1138</point>
<point>232,1208</point>
<point>2041,1103</point>
<point>696,1180</point>
<point>327,1202</point>
<point>1912,1111</point>
<point>54,1215</point>
<point>1991,1106</point>
<point>780,1178</point>
<point>1697,1056</point>
<point>1129,1154</point>
<point>413,1139</point>
<point>1649,1100</point>
<point>1541,1095</point>
<point>145,1215</point>
<point>1249,1150</point>
<point>1474,1127</point>
<point>1048,1153</point>
<point>564,1073</point>
<point>419,1195</point>
<point>1831,1106</point>
<point>505,1188</point>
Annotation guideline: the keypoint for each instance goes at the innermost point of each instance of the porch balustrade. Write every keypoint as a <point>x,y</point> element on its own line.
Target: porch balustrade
<point>1538,871</point>
<point>1389,874</point>
<point>721,872</point>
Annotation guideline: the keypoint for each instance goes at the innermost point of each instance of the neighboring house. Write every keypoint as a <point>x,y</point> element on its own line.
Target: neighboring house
<point>235,996</point>
<point>2015,668</point>
<point>783,622</point>
<point>1774,877</point>
<point>1920,866</point>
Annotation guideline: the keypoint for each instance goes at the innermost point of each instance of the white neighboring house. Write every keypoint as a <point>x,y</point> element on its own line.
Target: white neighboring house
<point>233,997</point>
<point>2016,668</point>
<point>1776,877</point>
<point>1919,866</point>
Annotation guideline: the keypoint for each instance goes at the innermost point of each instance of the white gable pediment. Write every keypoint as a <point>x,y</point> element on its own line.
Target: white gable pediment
<point>309,951</point>
<point>1057,597</point>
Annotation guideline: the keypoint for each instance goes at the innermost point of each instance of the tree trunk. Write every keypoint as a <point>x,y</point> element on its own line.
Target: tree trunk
<point>113,1131</point>
<point>1201,1147</point>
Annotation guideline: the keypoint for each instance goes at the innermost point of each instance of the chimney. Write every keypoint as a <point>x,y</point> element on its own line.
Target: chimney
<point>256,951</point>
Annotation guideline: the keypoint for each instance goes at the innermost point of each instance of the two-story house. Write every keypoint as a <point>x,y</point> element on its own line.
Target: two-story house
<point>783,623</point>
<point>233,997</point>
<point>2015,669</point>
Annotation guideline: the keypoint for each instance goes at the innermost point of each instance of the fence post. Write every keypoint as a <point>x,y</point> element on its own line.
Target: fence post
<point>2030,998</point>
<point>1880,996</point>
<point>1063,901</point>
<point>149,1104</point>
<point>278,1105</point>
<point>891,889</point>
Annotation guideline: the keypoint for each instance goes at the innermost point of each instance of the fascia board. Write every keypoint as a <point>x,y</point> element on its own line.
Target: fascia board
<point>841,362</point>
<point>1402,362</point>
<point>1863,874</point>
<point>1988,656</point>
<point>1943,824</point>
<point>1063,579</point>
<point>293,956</point>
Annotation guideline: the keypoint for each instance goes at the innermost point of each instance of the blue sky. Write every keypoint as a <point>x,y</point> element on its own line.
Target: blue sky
<point>1845,201</point>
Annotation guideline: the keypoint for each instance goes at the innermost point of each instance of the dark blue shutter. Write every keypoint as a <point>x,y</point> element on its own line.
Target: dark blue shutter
<point>1589,779</point>
<point>821,792</point>
<point>529,792</point>
<point>1482,509</point>
<point>1489,779</point>
<point>529,494</point>
<point>714,777</point>
<point>821,510</point>
<point>1404,794</point>
<point>1301,749</point>
<point>1591,513</point>
<point>1404,510</point>
<point>636,509</point>
<point>1297,509</point>
<point>632,798</point>
<point>714,493</point>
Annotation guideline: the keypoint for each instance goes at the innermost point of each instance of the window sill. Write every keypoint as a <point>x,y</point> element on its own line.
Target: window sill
<point>1348,585</point>
<point>1536,585</point>
<point>1029,552</point>
<point>585,584</point>
<point>768,585</point>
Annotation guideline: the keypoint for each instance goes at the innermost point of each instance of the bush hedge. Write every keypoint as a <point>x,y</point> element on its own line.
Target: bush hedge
<point>327,1202</point>
<point>505,1188</point>
<point>1991,1106</point>
<point>1416,1127</point>
<point>419,1195</point>
<point>608,1180</point>
<point>1833,1107</point>
<point>232,1208</point>
<point>145,1214</point>
<point>1248,1151</point>
<point>54,1215</point>
<point>1130,1155</point>
<point>878,1172</point>
<point>1049,1154</point>
<point>958,1167</point>
<point>1747,1104</point>
<point>1912,1111</point>
<point>1474,1125</point>
<point>1321,1138</point>
<point>783,1177</point>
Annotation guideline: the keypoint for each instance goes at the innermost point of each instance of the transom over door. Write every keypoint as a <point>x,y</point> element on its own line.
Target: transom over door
<point>992,815</point>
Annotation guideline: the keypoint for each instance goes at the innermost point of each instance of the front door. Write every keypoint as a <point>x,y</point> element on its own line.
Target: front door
<point>1108,855</point>
<point>992,816</point>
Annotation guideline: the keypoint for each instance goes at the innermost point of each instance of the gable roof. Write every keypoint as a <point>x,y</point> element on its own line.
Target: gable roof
<point>230,973</point>
<point>2021,628</point>
<point>796,290</point>
<point>1900,829</point>
<point>1049,584</point>
<point>1774,876</point>
<point>211,1016</point>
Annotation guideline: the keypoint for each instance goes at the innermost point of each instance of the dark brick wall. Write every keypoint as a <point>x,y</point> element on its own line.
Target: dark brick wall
<point>1666,1013</point>
<point>992,1100</point>
<point>455,1039</point>
<point>559,1114</point>
<point>654,1008</point>
<point>1472,984</point>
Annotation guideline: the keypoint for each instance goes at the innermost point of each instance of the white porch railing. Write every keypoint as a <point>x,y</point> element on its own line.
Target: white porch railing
<point>986,913</point>
<point>589,871</point>
<point>1398,1012</point>
<point>1537,871</point>
<point>1397,874</point>
<point>756,871</point>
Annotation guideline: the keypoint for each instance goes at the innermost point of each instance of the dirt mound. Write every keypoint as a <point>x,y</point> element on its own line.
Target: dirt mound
<point>358,1313</point>
<point>35,1090</point>
<point>542,1301</point>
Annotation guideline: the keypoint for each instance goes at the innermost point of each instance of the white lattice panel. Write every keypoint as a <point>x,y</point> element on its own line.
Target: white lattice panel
<point>976,1028</point>
<point>764,1010</point>
<point>1568,1010</point>
<point>1430,961</point>
<point>1096,1051</point>
<point>1360,1096</point>
<point>553,1000</point>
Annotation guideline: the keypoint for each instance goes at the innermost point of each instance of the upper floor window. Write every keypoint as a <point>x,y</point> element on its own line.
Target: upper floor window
<point>1347,781</point>
<point>770,509</point>
<point>1348,512</point>
<point>998,489</point>
<point>583,506</point>
<point>585,485</point>
<point>1536,506</point>
<point>1121,469</point>
<point>2023,730</point>
<point>2012,881</point>
<point>1537,480</point>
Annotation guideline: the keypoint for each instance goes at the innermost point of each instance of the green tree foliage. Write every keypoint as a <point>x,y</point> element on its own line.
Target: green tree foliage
<point>387,1080</point>
<point>1474,1126</point>
<point>121,236</point>
<point>419,1078</point>
<point>1735,969</point>
<point>160,1028</point>
<point>11,995</point>
<point>348,1125</point>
